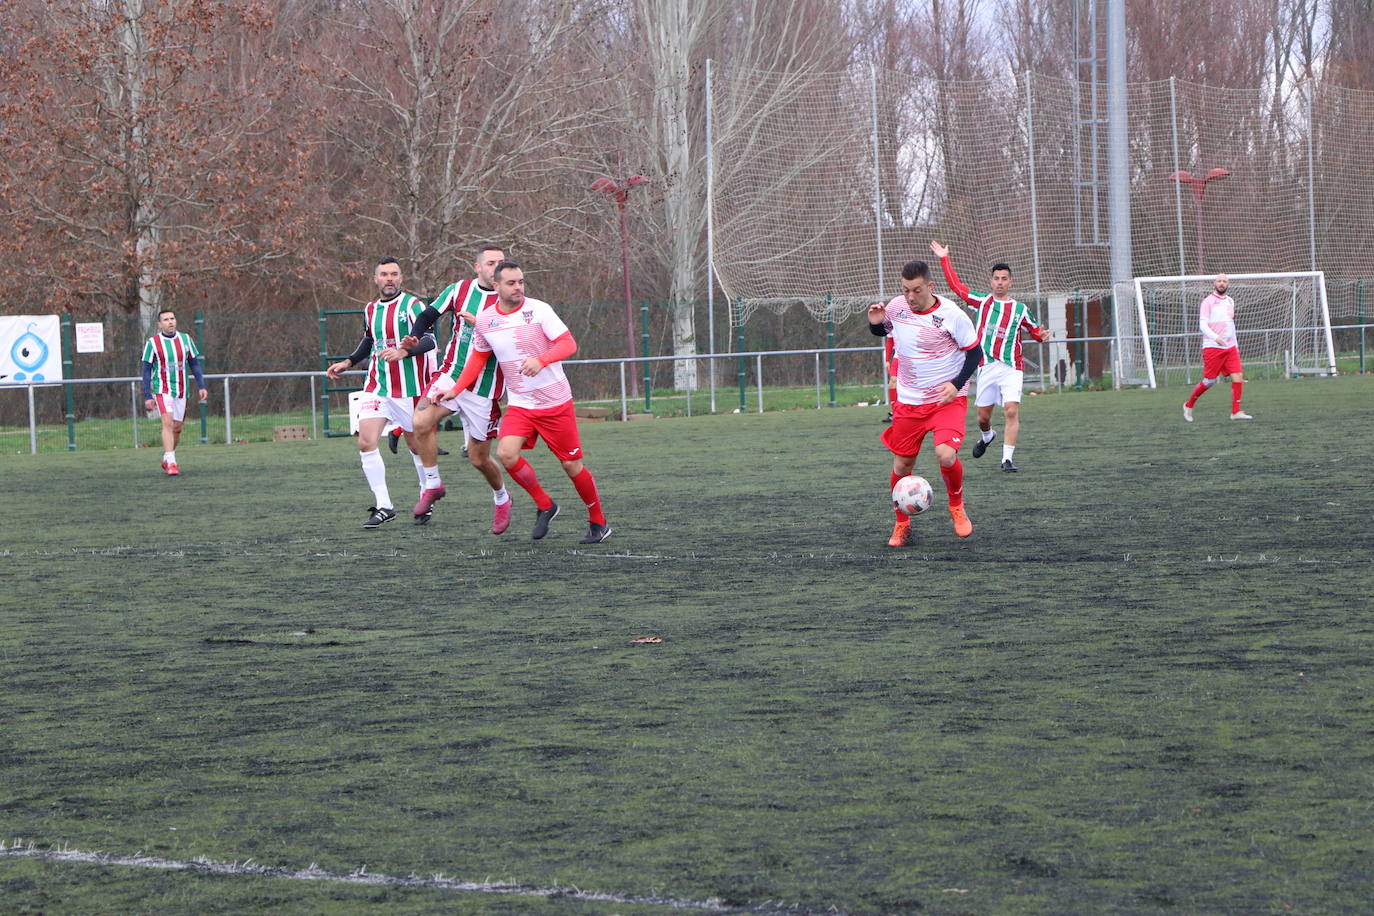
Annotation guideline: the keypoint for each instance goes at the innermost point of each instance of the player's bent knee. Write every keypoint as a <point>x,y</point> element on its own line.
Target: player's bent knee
<point>1209,382</point>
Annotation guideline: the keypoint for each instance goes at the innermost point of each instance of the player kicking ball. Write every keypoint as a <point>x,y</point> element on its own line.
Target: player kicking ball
<point>937,353</point>
<point>530,342</point>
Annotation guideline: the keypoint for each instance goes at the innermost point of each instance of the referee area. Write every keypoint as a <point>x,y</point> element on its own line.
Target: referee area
<point>1142,685</point>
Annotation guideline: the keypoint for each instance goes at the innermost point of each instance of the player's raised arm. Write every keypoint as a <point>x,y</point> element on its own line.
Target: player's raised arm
<point>956,286</point>
<point>878,325</point>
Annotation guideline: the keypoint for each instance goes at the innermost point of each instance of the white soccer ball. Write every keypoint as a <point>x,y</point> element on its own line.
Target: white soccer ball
<point>912,495</point>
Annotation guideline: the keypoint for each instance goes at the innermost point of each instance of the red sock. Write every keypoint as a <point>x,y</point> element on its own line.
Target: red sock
<point>898,512</point>
<point>954,481</point>
<point>891,395</point>
<point>1235,396</point>
<point>1197,393</point>
<point>586,488</point>
<point>523,473</point>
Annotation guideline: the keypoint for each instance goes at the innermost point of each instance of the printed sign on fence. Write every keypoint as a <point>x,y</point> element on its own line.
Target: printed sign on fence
<point>90,337</point>
<point>30,348</point>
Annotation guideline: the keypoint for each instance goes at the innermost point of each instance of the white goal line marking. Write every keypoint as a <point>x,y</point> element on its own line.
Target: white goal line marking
<point>29,850</point>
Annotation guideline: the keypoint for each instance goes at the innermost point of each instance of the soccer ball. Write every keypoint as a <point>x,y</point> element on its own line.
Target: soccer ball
<point>912,495</point>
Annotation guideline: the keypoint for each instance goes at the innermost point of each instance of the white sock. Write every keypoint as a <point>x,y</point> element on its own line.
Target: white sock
<point>169,457</point>
<point>429,478</point>
<point>989,435</point>
<point>1006,452</point>
<point>419,469</point>
<point>374,469</point>
<point>501,496</point>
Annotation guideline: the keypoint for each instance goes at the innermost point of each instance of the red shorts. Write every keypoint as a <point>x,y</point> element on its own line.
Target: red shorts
<point>911,422</point>
<point>1216,363</point>
<point>558,426</point>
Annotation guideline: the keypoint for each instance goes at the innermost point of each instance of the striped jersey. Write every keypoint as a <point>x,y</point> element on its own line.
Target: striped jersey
<point>469,297</point>
<point>1217,318</point>
<point>528,331</point>
<point>929,347</point>
<point>168,354</point>
<point>386,322</point>
<point>999,321</point>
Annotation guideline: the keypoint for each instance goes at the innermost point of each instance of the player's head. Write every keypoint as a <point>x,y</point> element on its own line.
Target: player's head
<point>1001,279</point>
<point>388,277</point>
<point>916,284</point>
<point>510,284</point>
<point>167,321</point>
<point>484,262</point>
<point>1221,284</point>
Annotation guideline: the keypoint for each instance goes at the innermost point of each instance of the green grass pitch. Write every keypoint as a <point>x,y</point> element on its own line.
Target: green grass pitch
<point>1145,684</point>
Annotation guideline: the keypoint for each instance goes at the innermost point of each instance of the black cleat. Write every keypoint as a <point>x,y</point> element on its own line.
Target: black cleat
<point>378,517</point>
<point>596,534</point>
<point>542,519</point>
<point>423,519</point>
<point>393,439</point>
<point>888,418</point>
<point>980,446</point>
<point>1009,467</point>
<point>465,451</point>
<point>444,451</point>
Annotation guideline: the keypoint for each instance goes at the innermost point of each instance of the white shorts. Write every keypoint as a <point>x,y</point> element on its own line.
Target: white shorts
<point>480,416</point>
<point>399,411</point>
<point>998,383</point>
<point>174,406</point>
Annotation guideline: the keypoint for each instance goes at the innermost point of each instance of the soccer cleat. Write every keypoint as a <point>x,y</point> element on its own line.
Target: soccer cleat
<point>465,451</point>
<point>980,446</point>
<point>888,418</point>
<point>1241,415</point>
<point>378,517</point>
<point>393,439</point>
<point>962,526</point>
<point>1008,466</point>
<point>900,533</point>
<point>1187,413</point>
<point>427,500</point>
<point>172,469</point>
<point>596,534</point>
<point>542,519</point>
<point>423,519</point>
<point>500,517</point>
<point>444,451</point>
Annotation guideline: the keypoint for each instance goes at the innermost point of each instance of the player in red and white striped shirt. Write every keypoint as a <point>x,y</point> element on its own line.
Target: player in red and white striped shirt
<point>1220,352</point>
<point>530,342</point>
<point>937,353</point>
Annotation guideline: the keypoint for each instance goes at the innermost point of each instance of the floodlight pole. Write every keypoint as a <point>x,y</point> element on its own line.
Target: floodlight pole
<point>1199,188</point>
<point>620,190</point>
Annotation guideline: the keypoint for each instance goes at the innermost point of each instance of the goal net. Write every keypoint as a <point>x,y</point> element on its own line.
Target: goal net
<point>1283,324</point>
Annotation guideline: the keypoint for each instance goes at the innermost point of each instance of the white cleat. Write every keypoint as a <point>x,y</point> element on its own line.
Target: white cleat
<point>1241,415</point>
<point>1187,413</point>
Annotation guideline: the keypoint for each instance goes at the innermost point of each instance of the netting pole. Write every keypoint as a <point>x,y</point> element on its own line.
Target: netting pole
<point>324,364</point>
<point>830,344</point>
<point>1178,218</point>
<point>68,371</point>
<point>1359,311</point>
<point>644,349</point>
<point>877,172</point>
<point>200,342</point>
<point>1311,181</point>
<point>1035,222</point>
<point>710,243</point>
<point>740,350</point>
<point>1118,177</point>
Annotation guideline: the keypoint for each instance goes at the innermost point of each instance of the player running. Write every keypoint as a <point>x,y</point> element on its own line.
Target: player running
<point>530,341</point>
<point>1220,352</point>
<point>396,377</point>
<point>166,357</point>
<point>937,352</point>
<point>1000,320</point>
<point>477,404</point>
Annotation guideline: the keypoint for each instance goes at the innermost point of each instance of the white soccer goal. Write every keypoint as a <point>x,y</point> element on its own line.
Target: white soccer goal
<point>1283,324</point>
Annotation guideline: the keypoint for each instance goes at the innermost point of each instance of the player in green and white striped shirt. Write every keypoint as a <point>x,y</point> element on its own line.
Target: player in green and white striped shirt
<point>477,406</point>
<point>1000,322</point>
<point>166,357</point>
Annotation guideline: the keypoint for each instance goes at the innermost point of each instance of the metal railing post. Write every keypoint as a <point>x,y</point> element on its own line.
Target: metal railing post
<point>33,424</point>
<point>758,378</point>
<point>228,415</point>
<point>624,401</point>
<point>133,409</point>
<point>314,429</point>
<point>68,370</point>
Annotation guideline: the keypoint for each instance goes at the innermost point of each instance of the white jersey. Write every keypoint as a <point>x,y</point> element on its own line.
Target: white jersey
<point>1217,319</point>
<point>528,331</point>
<point>929,347</point>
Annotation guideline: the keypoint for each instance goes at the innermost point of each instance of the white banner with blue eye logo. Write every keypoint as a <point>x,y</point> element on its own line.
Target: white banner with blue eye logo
<point>30,348</point>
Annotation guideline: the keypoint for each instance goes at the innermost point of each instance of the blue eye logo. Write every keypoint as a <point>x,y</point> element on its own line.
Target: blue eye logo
<point>29,353</point>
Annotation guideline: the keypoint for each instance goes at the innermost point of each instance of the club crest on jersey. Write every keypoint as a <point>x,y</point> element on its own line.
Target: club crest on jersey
<point>937,321</point>
<point>528,315</point>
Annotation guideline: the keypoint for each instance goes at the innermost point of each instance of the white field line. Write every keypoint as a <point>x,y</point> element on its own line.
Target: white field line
<point>29,850</point>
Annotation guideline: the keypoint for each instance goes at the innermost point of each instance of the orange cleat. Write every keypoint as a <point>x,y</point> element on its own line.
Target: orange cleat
<point>962,526</point>
<point>901,532</point>
<point>171,467</point>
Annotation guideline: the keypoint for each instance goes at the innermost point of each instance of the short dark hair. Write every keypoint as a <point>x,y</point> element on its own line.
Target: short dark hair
<point>484,247</point>
<point>913,270</point>
<point>507,264</point>
<point>388,261</point>
<point>161,312</point>
<point>1002,265</point>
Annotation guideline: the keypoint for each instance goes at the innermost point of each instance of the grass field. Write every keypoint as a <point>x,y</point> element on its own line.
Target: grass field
<point>1145,684</point>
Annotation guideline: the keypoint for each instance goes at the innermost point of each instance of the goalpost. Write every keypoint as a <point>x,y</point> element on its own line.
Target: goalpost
<point>1282,321</point>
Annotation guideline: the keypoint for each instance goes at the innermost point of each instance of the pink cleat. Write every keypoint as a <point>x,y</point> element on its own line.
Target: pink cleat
<point>500,517</point>
<point>427,500</point>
